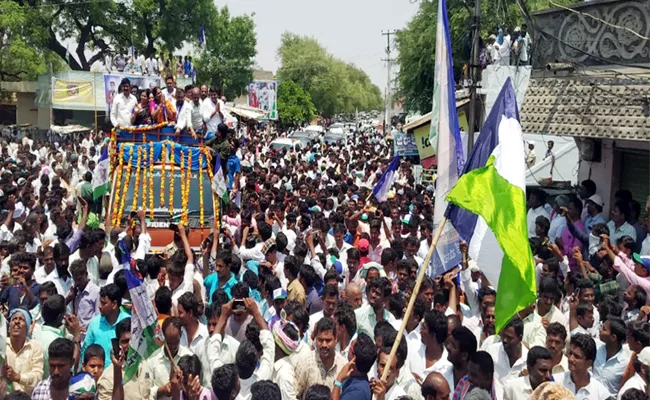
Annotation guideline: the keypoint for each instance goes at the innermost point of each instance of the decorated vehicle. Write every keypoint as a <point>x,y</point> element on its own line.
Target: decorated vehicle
<point>168,177</point>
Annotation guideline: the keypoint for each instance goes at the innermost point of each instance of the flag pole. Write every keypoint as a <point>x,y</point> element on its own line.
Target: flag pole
<point>416,289</point>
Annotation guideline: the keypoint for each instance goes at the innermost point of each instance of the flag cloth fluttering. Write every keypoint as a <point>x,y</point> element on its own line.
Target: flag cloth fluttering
<point>219,185</point>
<point>202,37</point>
<point>386,181</point>
<point>101,178</point>
<point>144,319</point>
<point>448,148</point>
<point>491,195</point>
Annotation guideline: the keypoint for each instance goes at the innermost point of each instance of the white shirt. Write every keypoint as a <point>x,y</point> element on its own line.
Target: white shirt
<point>394,393</point>
<point>532,215</point>
<point>534,331</point>
<point>169,96</point>
<point>609,372</point>
<point>593,391</point>
<point>635,382</point>
<point>313,319</point>
<point>502,369</point>
<point>517,389</point>
<point>186,286</point>
<point>121,110</point>
<point>557,225</point>
<point>283,376</point>
<point>221,350</point>
<point>417,360</point>
<point>211,121</point>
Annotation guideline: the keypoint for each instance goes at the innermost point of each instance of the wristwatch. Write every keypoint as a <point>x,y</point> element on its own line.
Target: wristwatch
<point>337,383</point>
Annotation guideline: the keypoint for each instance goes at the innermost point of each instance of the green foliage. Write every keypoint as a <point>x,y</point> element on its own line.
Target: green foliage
<point>416,43</point>
<point>294,104</point>
<point>100,27</point>
<point>227,62</point>
<point>334,86</point>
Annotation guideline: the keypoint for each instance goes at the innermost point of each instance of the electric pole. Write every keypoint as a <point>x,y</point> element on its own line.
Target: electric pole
<point>474,70</point>
<point>388,60</point>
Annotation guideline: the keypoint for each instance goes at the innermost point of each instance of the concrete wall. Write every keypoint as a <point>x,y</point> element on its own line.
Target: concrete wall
<point>606,173</point>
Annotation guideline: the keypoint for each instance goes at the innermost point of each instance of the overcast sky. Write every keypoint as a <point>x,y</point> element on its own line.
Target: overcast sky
<point>349,29</point>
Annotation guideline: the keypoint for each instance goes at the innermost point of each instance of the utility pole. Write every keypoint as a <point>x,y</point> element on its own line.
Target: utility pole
<point>388,60</point>
<point>474,70</point>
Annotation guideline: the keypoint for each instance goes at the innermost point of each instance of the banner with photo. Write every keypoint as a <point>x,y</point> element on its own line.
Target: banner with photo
<point>264,95</point>
<point>404,144</point>
<point>72,92</point>
<point>112,85</point>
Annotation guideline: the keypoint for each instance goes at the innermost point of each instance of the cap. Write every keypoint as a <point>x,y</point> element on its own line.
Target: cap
<point>473,266</point>
<point>315,209</point>
<point>21,181</point>
<point>643,260</point>
<point>517,29</point>
<point>354,197</point>
<point>74,158</point>
<point>279,294</point>
<point>407,219</point>
<point>644,356</point>
<point>364,245</point>
<point>367,266</point>
<point>597,200</point>
<point>338,267</point>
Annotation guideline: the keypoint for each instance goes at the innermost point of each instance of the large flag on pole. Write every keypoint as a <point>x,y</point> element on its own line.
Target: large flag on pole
<point>445,137</point>
<point>492,195</point>
<point>144,319</point>
<point>101,177</point>
<point>219,181</point>
<point>386,181</point>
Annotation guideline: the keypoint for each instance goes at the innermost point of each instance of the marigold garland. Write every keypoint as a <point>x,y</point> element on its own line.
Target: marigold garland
<point>145,171</point>
<point>188,184</point>
<point>118,184</point>
<point>151,193</point>
<point>182,171</point>
<point>201,214</point>
<point>127,180</point>
<point>171,180</point>
<point>143,128</point>
<point>162,174</point>
<point>136,185</point>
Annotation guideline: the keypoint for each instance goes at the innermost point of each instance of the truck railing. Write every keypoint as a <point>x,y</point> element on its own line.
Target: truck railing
<point>157,133</point>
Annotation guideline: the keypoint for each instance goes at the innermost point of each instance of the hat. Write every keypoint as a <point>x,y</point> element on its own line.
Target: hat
<point>473,266</point>
<point>288,186</point>
<point>492,36</point>
<point>74,158</point>
<point>315,209</point>
<point>19,210</point>
<point>354,197</point>
<point>407,219</point>
<point>21,181</point>
<point>364,245</point>
<point>644,356</point>
<point>517,29</point>
<point>597,200</point>
<point>279,294</point>
<point>643,260</point>
<point>338,267</point>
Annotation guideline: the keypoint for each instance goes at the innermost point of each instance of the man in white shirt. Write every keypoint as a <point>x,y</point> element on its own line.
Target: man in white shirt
<point>393,390</point>
<point>509,355</point>
<point>536,201</point>
<point>582,354</point>
<point>170,91</point>
<point>544,313</point>
<point>539,365</point>
<point>193,118</point>
<point>122,106</point>
<point>430,354</point>
<point>211,112</point>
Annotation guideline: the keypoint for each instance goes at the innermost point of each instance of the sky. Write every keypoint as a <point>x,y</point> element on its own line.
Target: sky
<point>349,29</point>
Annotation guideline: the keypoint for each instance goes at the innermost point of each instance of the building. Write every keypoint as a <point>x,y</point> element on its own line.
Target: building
<point>591,81</point>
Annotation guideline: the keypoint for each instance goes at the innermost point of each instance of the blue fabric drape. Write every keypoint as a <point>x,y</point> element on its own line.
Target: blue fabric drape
<point>179,150</point>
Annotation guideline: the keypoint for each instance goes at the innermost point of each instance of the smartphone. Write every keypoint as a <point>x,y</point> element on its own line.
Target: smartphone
<point>115,343</point>
<point>238,305</point>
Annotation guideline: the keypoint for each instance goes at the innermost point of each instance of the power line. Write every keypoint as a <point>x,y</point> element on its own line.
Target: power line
<point>599,20</point>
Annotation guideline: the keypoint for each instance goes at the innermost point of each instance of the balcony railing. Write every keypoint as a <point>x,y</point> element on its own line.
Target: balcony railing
<point>581,37</point>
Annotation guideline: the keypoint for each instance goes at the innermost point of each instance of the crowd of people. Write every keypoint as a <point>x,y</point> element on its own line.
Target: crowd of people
<point>301,288</point>
<point>506,48</point>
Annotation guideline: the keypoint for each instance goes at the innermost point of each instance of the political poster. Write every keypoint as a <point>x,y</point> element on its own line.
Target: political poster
<point>404,144</point>
<point>264,95</point>
<point>112,85</point>
<point>67,92</point>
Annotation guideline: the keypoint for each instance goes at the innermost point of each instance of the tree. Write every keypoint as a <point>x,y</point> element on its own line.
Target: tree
<point>334,86</point>
<point>294,104</point>
<point>100,27</point>
<point>227,62</point>
<point>416,43</point>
